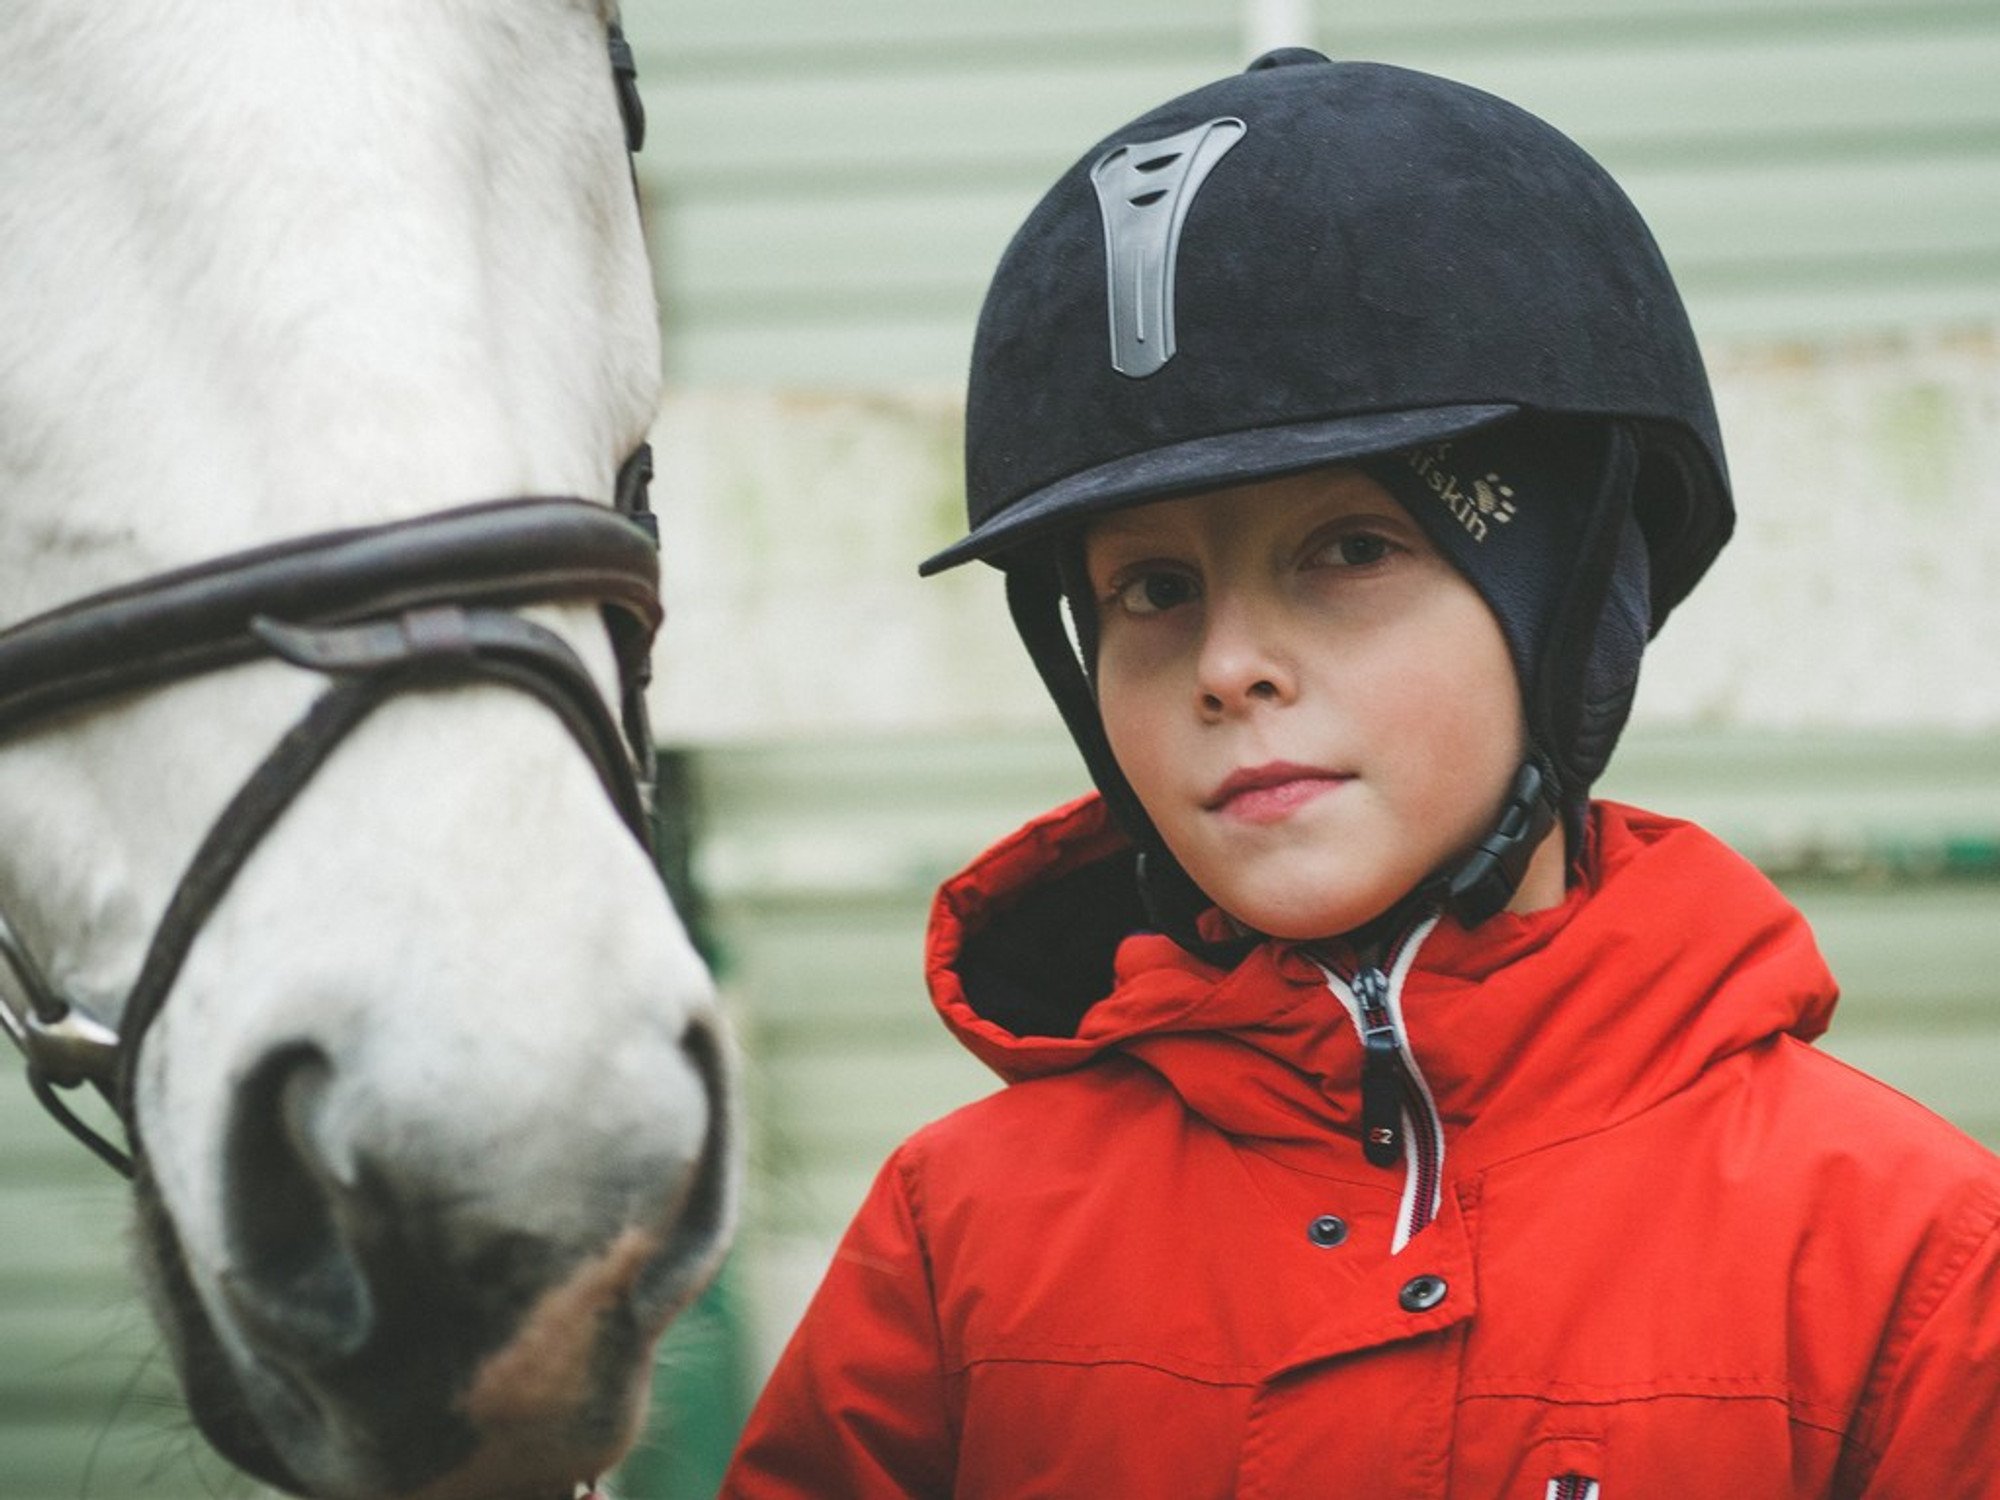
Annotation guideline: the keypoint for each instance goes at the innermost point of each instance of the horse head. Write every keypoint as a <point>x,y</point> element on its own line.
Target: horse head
<point>321,644</point>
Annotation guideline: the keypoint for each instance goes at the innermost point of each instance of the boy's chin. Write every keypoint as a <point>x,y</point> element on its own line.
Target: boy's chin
<point>1307,921</point>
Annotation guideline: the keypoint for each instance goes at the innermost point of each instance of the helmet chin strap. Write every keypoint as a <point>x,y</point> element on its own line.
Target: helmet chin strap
<point>1483,881</point>
<point>1487,878</point>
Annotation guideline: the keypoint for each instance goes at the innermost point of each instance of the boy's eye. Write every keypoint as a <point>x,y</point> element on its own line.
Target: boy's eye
<point>1355,550</point>
<point>1152,593</point>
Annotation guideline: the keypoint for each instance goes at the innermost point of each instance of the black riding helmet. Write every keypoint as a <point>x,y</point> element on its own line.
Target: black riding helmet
<point>1313,263</point>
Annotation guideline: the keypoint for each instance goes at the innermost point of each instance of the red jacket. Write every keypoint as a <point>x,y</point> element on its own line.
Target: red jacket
<point>1640,1238</point>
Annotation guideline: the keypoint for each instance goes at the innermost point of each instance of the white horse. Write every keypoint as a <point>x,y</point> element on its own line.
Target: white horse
<point>423,1081</point>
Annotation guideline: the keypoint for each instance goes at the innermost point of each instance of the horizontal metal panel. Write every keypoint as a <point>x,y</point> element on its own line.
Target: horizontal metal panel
<point>1700,101</point>
<point>1628,19</point>
<point>1809,89</point>
<point>874,34</point>
<point>87,1400</point>
<point>87,1213</point>
<point>678,36</point>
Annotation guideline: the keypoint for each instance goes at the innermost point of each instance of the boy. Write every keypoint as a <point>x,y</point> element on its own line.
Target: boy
<point>1386,1118</point>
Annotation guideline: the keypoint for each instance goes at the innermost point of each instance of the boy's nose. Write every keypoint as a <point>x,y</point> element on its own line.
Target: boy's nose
<point>1241,662</point>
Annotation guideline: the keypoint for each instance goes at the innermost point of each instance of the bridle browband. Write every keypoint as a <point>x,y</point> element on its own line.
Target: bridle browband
<point>410,606</point>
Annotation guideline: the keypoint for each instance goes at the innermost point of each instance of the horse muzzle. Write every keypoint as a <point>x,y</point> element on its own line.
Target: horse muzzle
<point>374,1336</point>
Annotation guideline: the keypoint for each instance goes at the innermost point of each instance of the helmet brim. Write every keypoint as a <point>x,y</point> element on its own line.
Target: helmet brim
<point>1205,463</point>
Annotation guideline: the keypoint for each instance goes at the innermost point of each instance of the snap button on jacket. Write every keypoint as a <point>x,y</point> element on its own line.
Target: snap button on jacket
<point>1665,1246</point>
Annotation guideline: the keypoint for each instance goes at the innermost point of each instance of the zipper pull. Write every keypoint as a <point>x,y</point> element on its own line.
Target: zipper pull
<point>1382,1076</point>
<point>1381,1097</point>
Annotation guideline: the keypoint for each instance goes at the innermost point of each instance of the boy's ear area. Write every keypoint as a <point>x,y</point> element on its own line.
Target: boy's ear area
<point>1583,685</point>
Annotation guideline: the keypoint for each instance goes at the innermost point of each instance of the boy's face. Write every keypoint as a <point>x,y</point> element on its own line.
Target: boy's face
<point>1315,708</point>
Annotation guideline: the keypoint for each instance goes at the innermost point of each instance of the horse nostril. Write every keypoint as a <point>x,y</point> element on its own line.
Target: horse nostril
<point>293,1275</point>
<point>707,1210</point>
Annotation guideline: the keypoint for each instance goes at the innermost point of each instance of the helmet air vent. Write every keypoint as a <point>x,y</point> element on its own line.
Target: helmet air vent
<point>1144,191</point>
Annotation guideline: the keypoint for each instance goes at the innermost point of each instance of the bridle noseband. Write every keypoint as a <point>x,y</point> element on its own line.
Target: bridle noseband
<point>383,610</point>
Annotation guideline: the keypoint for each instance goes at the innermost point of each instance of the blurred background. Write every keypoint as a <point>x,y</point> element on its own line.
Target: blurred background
<point>827,188</point>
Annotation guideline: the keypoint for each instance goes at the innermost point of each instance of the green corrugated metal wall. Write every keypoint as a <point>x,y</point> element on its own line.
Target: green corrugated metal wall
<point>86,1405</point>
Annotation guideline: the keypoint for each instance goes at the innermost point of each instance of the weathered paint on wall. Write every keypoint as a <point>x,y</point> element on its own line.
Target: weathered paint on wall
<point>1858,591</point>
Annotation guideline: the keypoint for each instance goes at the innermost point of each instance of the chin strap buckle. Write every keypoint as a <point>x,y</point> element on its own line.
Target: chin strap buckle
<point>1486,881</point>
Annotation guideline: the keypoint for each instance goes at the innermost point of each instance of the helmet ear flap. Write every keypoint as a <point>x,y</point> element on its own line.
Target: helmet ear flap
<point>1682,534</point>
<point>1589,673</point>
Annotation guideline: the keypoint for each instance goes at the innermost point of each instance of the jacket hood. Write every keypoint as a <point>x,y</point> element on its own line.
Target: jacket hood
<point>1671,953</point>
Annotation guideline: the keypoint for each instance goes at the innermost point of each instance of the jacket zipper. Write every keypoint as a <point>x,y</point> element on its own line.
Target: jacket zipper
<point>1399,1120</point>
<point>1572,1487</point>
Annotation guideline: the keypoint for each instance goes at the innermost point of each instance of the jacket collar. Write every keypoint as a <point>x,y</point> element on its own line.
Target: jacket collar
<point>1670,954</point>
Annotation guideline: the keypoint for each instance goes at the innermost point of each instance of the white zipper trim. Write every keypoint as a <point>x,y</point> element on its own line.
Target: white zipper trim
<point>1407,1214</point>
<point>1409,1210</point>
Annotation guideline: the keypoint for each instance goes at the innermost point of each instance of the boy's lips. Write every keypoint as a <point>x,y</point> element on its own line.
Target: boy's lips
<point>1268,793</point>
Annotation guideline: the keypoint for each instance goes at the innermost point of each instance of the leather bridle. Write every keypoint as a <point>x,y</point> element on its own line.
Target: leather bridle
<point>411,606</point>
<point>385,610</point>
